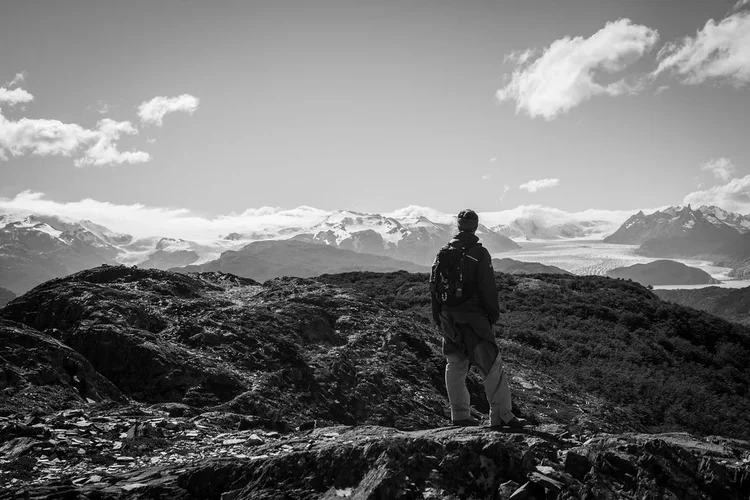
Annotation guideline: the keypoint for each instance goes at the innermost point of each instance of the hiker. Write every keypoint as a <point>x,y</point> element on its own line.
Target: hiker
<point>465,308</point>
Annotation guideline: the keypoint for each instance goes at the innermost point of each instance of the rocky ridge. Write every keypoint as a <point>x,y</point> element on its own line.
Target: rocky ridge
<point>215,386</point>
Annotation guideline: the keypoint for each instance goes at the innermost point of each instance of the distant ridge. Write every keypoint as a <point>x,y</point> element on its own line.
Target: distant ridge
<point>263,260</point>
<point>512,266</point>
<point>663,272</point>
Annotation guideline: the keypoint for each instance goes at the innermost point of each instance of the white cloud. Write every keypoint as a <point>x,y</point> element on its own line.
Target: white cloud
<point>102,107</point>
<point>562,77</point>
<point>45,137</point>
<point>415,211</point>
<point>20,77</point>
<point>661,89</point>
<point>741,3</point>
<point>493,160</point>
<point>733,196</point>
<point>152,112</point>
<point>12,97</point>
<point>506,188</point>
<point>486,177</point>
<point>104,150</point>
<point>718,52</point>
<point>534,186</point>
<point>722,168</point>
<point>142,221</point>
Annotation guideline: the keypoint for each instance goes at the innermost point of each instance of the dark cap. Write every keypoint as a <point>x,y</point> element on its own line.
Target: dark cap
<point>468,220</point>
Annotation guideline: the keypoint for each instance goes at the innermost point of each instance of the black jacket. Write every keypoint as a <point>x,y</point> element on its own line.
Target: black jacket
<point>485,299</point>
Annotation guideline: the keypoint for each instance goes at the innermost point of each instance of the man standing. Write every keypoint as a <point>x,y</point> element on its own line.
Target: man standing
<point>465,306</point>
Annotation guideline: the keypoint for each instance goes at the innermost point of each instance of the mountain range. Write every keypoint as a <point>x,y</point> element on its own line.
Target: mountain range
<point>36,248</point>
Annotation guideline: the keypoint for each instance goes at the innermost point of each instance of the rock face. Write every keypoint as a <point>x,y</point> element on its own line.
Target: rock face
<point>663,272</point>
<point>333,388</point>
<point>40,372</point>
<point>511,266</point>
<point>263,260</point>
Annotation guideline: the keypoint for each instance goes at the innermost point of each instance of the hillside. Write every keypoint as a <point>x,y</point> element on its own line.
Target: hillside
<point>512,266</point>
<point>124,382</point>
<point>671,366</point>
<point>263,260</point>
<point>6,296</point>
<point>663,272</point>
<point>732,304</point>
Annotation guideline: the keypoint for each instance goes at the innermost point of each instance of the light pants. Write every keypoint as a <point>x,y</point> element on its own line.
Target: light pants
<point>495,387</point>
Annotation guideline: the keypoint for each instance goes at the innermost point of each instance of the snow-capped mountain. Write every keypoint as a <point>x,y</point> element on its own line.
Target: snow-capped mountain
<point>412,238</point>
<point>36,248</point>
<point>680,231</point>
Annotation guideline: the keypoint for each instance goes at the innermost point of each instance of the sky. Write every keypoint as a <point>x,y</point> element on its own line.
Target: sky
<point>193,109</point>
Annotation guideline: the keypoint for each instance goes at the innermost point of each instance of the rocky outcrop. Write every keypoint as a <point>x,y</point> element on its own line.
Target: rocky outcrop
<point>333,388</point>
<point>40,373</point>
<point>663,272</point>
<point>511,266</point>
<point>263,260</point>
<point>153,455</point>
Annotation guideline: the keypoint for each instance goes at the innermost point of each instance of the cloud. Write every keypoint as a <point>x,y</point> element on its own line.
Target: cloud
<point>722,168</point>
<point>733,196</point>
<point>20,77</point>
<point>741,4</point>
<point>142,221</point>
<point>486,177</point>
<point>102,107</point>
<point>534,186</point>
<point>45,137</point>
<point>595,223</point>
<point>415,211</point>
<point>104,150</point>
<point>661,89</point>
<point>152,112</point>
<point>718,52</point>
<point>506,188</point>
<point>563,76</point>
<point>493,159</point>
<point>12,97</point>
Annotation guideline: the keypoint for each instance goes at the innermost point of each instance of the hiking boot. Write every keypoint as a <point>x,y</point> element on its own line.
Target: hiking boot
<point>515,423</point>
<point>466,422</point>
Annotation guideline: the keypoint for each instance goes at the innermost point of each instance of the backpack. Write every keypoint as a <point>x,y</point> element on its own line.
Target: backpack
<point>451,279</point>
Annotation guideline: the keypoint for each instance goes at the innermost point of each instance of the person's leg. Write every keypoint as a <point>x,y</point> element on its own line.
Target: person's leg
<point>456,368</point>
<point>498,394</point>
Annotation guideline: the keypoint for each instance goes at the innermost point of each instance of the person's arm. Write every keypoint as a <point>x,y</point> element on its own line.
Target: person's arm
<point>486,287</point>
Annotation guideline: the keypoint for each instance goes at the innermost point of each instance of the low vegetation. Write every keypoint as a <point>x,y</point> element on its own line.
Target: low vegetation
<point>674,367</point>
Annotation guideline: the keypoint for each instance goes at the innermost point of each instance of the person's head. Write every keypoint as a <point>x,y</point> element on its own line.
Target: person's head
<point>468,221</point>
